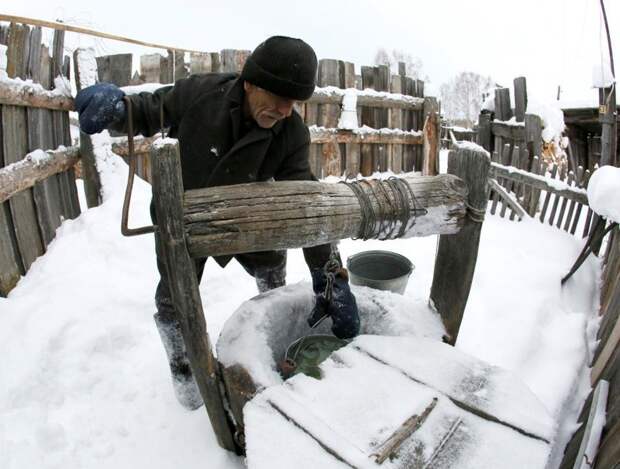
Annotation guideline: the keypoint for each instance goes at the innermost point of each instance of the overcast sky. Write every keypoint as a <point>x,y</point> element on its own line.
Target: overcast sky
<point>551,42</point>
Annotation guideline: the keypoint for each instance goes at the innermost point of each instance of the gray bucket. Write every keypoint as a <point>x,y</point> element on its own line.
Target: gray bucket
<point>382,270</point>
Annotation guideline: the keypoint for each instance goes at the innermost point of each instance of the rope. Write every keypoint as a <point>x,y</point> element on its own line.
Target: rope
<point>397,207</point>
<point>475,214</point>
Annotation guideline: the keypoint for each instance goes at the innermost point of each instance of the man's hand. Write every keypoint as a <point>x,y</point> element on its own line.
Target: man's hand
<point>99,106</point>
<point>339,304</point>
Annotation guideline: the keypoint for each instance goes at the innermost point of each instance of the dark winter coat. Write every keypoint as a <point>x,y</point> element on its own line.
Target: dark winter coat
<point>205,113</point>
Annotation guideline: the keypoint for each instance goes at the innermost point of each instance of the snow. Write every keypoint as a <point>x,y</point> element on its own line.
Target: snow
<point>335,91</point>
<point>28,87</point>
<point>552,118</point>
<point>603,192</point>
<point>144,87</point>
<point>87,65</point>
<point>86,382</point>
<point>3,57</point>
<point>348,115</point>
<point>602,76</point>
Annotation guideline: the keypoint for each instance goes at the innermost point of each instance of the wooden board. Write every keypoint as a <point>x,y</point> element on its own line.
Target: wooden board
<point>15,147</point>
<point>483,415</point>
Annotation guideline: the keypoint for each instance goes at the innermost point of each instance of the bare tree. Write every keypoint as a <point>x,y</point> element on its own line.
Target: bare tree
<point>462,97</point>
<point>413,65</point>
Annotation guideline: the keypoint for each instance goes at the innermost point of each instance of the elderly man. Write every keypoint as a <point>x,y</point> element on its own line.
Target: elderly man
<point>232,129</point>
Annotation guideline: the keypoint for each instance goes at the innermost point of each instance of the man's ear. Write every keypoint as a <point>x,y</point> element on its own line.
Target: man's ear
<point>247,86</point>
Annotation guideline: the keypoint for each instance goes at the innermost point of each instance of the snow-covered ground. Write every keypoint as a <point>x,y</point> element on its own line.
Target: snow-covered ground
<point>84,378</point>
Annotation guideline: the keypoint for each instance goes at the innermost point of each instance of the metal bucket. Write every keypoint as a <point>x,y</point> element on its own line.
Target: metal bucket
<point>382,270</point>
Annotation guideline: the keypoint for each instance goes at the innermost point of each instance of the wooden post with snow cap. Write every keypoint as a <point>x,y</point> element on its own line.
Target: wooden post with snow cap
<point>457,254</point>
<point>170,234</point>
<point>86,75</point>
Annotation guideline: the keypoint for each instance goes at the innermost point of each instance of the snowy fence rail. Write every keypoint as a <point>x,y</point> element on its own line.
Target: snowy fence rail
<point>30,217</point>
<point>383,101</point>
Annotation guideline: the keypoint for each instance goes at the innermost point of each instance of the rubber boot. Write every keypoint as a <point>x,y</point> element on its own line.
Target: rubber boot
<point>185,387</point>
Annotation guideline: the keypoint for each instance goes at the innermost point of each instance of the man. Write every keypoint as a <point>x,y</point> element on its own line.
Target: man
<point>232,129</point>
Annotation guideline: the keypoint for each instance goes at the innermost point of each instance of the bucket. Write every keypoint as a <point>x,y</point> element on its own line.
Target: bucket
<point>382,270</point>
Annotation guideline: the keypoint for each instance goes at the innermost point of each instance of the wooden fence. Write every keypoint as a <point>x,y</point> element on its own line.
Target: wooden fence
<point>605,376</point>
<point>29,219</point>
<point>399,105</point>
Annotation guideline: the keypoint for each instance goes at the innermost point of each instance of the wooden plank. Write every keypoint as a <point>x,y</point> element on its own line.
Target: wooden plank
<point>522,191</point>
<point>543,211</point>
<point>200,62</point>
<point>503,112</point>
<point>507,199</point>
<point>233,60</point>
<point>495,195</point>
<point>151,68</point>
<point>329,75</point>
<point>508,131</point>
<point>381,151</point>
<point>535,197</point>
<point>115,69</point>
<point>11,267</point>
<point>282,215</point>
<point>592,434</point>
<point>15,143</point>
<point>396,122</point>
<point>167,196</point>
<point>485,136</point>
<point>352,156</point>
<point>60,120</point>
<point>367,118</point>
<point>571,181</point>
<point>430,166</point>
<point>45,189</point>
<point>520,88</point>
<point>455,262</point>
<point>554,207</point>
<point>508,152</point>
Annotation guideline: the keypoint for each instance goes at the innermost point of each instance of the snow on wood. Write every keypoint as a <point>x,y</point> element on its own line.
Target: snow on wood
<point>372,386</point>
<point>367,97</point>
<point>35,166</point>
<point>603,192</point>
<point>18,92</point>
<point>287,214</point>
<point>364,134</point>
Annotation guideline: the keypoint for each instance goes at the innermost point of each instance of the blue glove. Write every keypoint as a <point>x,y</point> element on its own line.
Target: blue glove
<point>342,307</point>
<point>99,106</point>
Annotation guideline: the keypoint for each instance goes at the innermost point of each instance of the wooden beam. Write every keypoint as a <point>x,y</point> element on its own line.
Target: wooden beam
<point>456,258</point>
<point>513,132</point>
<point>35,167</point>
<point>183,284</point>
<point>385,136</point>
<point>507,198</point>
<point>539,182</point>
<point>292,214</point>
<point>14,93</point>
<point>90,32</point>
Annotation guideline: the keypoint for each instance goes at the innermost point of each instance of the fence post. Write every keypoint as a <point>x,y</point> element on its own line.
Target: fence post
<point>520,87</point>
<point>457,254</point>
<point>90,174</point>
<point>170,236</point>
<point>430,165</point>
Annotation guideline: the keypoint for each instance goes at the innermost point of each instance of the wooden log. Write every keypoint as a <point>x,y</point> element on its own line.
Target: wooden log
<point>455,262</point>
<point>26,94</point>
<point>430,166</point>
<point>15,143</point>
<point>90,173</point>
<point>167,196</point>
<point>539,182</point>
<point>35,167</point>
<point>280,215</point>
<point>520,88</point>
<point>114,68</point>
<point>503,112</point>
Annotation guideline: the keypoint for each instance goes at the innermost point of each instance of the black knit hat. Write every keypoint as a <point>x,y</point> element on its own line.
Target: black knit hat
<point>283,65</point>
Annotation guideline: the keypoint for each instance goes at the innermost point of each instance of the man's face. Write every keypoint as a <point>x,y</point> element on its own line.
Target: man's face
<point>265,107</point>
